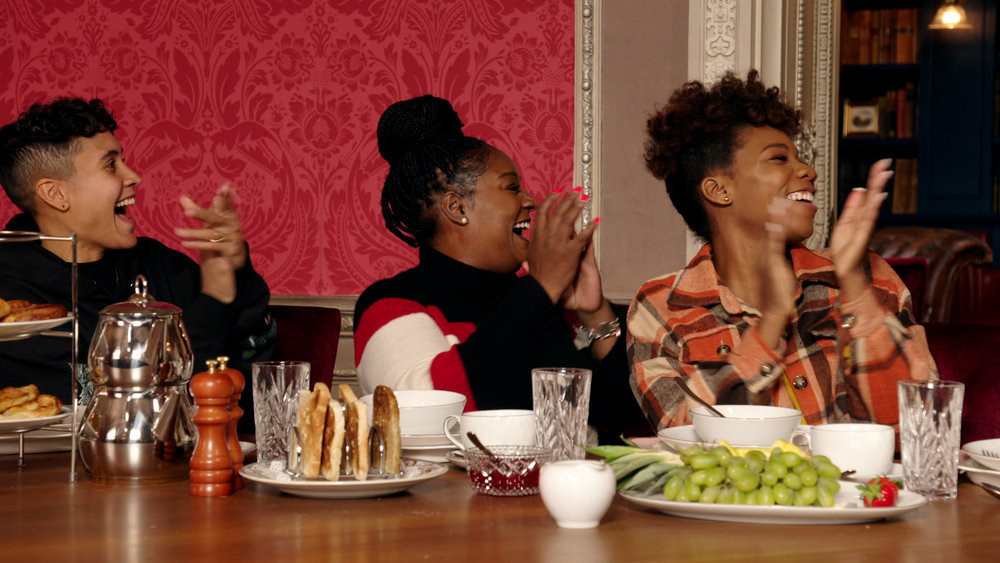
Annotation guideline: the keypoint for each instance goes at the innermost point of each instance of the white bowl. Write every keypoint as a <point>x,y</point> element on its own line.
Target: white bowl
<point>745,425</point>
<point>975,451</point>
<point>422,411</point>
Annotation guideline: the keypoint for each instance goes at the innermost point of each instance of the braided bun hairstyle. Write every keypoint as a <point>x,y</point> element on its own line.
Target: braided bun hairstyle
<point>698,132</point>
<point>428,155</point>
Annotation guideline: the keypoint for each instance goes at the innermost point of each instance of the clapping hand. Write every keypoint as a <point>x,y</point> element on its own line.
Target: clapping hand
<point>219,242</point>
<point>559,258</point>
<point>851,234</point>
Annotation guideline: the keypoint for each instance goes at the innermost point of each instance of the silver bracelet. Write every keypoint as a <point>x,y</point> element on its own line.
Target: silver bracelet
<point>585,336</point>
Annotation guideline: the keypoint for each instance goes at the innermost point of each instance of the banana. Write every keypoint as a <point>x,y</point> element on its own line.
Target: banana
<point>782,445</point>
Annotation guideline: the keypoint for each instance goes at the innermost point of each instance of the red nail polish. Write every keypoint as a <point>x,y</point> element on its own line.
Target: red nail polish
<point>596,220</point>
<point>578,189</point>
<point>584,197</point>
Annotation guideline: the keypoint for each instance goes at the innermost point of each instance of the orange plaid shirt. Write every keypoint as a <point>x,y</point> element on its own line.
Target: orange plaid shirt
<point>689,325</point>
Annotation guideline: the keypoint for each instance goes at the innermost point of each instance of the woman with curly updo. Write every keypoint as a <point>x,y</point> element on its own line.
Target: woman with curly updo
<point>756,317</point>
<point>462,319</point>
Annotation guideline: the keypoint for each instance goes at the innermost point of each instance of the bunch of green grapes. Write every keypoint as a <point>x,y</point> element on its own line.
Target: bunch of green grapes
<point>784,478</point>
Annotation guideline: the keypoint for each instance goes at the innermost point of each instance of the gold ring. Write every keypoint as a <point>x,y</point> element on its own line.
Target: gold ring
<point>218,237</point>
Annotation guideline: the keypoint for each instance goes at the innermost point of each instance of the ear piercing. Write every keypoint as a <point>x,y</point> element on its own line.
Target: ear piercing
<point>726,199</point>
<point>465,220</point>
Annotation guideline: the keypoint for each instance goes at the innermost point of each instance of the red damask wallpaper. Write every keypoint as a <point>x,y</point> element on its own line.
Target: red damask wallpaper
<point>282,98</point>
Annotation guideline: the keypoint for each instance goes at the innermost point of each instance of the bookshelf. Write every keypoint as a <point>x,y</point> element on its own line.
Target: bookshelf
<point>930,99</point>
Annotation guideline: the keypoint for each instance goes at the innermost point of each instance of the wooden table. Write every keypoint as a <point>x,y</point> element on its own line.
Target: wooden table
<point>45,518</point>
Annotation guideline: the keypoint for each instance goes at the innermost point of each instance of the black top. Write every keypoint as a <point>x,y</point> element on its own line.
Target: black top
<point>33,273</point>
<point>517,329</point>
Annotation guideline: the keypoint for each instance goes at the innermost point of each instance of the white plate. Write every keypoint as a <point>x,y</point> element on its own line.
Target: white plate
<point>425,441</point>
<point>21,424</point>
<point>17,331</point>
<point>977,473</point>
<point>685,437</point>
<point>55,438</point>
<point>975,451</point>
<point>273,474</point>
<point>848,509</point>
<point>457,458</point>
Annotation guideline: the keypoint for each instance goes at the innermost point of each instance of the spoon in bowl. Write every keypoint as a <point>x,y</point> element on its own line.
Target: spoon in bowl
<point>687,391</point>
<point>496,461</point>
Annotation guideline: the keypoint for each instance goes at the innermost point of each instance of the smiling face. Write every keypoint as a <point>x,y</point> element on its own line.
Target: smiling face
<point>98,194</point>
<point>766,165</point>
<point>499,212</point>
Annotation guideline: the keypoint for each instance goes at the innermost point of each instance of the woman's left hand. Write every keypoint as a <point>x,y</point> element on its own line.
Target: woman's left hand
<point>849,241</point>
<point>219,242</point>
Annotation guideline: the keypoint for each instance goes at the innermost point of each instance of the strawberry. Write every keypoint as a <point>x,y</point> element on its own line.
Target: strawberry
<point>879,493</point>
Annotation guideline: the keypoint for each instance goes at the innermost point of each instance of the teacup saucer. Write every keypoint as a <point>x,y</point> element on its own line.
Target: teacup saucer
<point>457,458</point>
<point>435,454</point>
<point>425,441</point>
<point>895,474</point>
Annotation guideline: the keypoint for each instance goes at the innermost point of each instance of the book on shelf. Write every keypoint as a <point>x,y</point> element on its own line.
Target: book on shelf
<point>885,36</point>
<point>904,186</point>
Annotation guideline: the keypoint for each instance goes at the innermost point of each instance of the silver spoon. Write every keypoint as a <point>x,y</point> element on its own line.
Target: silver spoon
<point>687,390</point>
<point>991,489</point>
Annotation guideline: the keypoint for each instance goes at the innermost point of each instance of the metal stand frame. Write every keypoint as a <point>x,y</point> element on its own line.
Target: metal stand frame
<point>27,236</point>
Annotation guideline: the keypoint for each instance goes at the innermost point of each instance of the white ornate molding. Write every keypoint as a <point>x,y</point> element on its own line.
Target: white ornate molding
<point>587,138</point>
<point>816,54</point>
<point>718,44</point>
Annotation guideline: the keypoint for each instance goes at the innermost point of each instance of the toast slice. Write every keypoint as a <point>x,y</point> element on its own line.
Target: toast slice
<point>356,437</point>
<point>333,441</point>
<point>310,423</point>
<point>385,418</point>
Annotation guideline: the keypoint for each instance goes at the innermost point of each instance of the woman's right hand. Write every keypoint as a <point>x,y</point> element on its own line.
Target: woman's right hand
<point>778,288</point>
<point>556,249</point>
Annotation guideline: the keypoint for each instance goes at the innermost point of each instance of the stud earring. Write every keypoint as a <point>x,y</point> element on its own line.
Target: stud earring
<point>465,220</point>
<point>726,199</point>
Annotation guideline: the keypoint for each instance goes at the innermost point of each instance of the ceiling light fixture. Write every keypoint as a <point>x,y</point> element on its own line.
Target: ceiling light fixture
<point>950,16</point>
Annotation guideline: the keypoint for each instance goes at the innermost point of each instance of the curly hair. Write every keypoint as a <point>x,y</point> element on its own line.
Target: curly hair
<point>428,155</point>
<point>698,132</point>
<point>41,144</point>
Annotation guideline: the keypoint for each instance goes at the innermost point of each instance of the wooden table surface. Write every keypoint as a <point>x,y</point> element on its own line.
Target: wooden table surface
<point>46,518</point>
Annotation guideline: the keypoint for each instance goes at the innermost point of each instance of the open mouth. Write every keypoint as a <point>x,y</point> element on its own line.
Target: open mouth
<point>801,196</point>
<point>121,208</point>
<point>520,227</point>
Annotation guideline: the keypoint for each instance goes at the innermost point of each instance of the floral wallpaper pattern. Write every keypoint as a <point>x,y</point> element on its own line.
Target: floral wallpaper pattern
<point>281,98</point>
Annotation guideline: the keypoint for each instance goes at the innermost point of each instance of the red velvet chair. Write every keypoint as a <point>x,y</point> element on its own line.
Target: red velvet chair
<point>310,334</point>
<point>948,253</point>
<point>964,352</point>
<point>913,270</point>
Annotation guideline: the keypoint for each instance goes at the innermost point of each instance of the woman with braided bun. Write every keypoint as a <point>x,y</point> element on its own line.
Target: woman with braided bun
<point>756,317</point>
<point>462,319</point>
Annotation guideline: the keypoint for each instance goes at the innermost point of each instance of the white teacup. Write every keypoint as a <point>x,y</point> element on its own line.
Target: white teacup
<point>865,448</point>
<point>502,427</point>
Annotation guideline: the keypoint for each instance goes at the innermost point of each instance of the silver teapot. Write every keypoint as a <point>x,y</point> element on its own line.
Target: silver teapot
<point>139,423</point>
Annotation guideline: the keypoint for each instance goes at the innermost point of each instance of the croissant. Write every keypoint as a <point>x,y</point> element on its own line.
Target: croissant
<point>40,312</point>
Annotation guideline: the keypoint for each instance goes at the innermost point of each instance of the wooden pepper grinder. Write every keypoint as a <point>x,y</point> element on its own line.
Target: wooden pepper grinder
<point>211,465</point>
<point>235,413</point>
